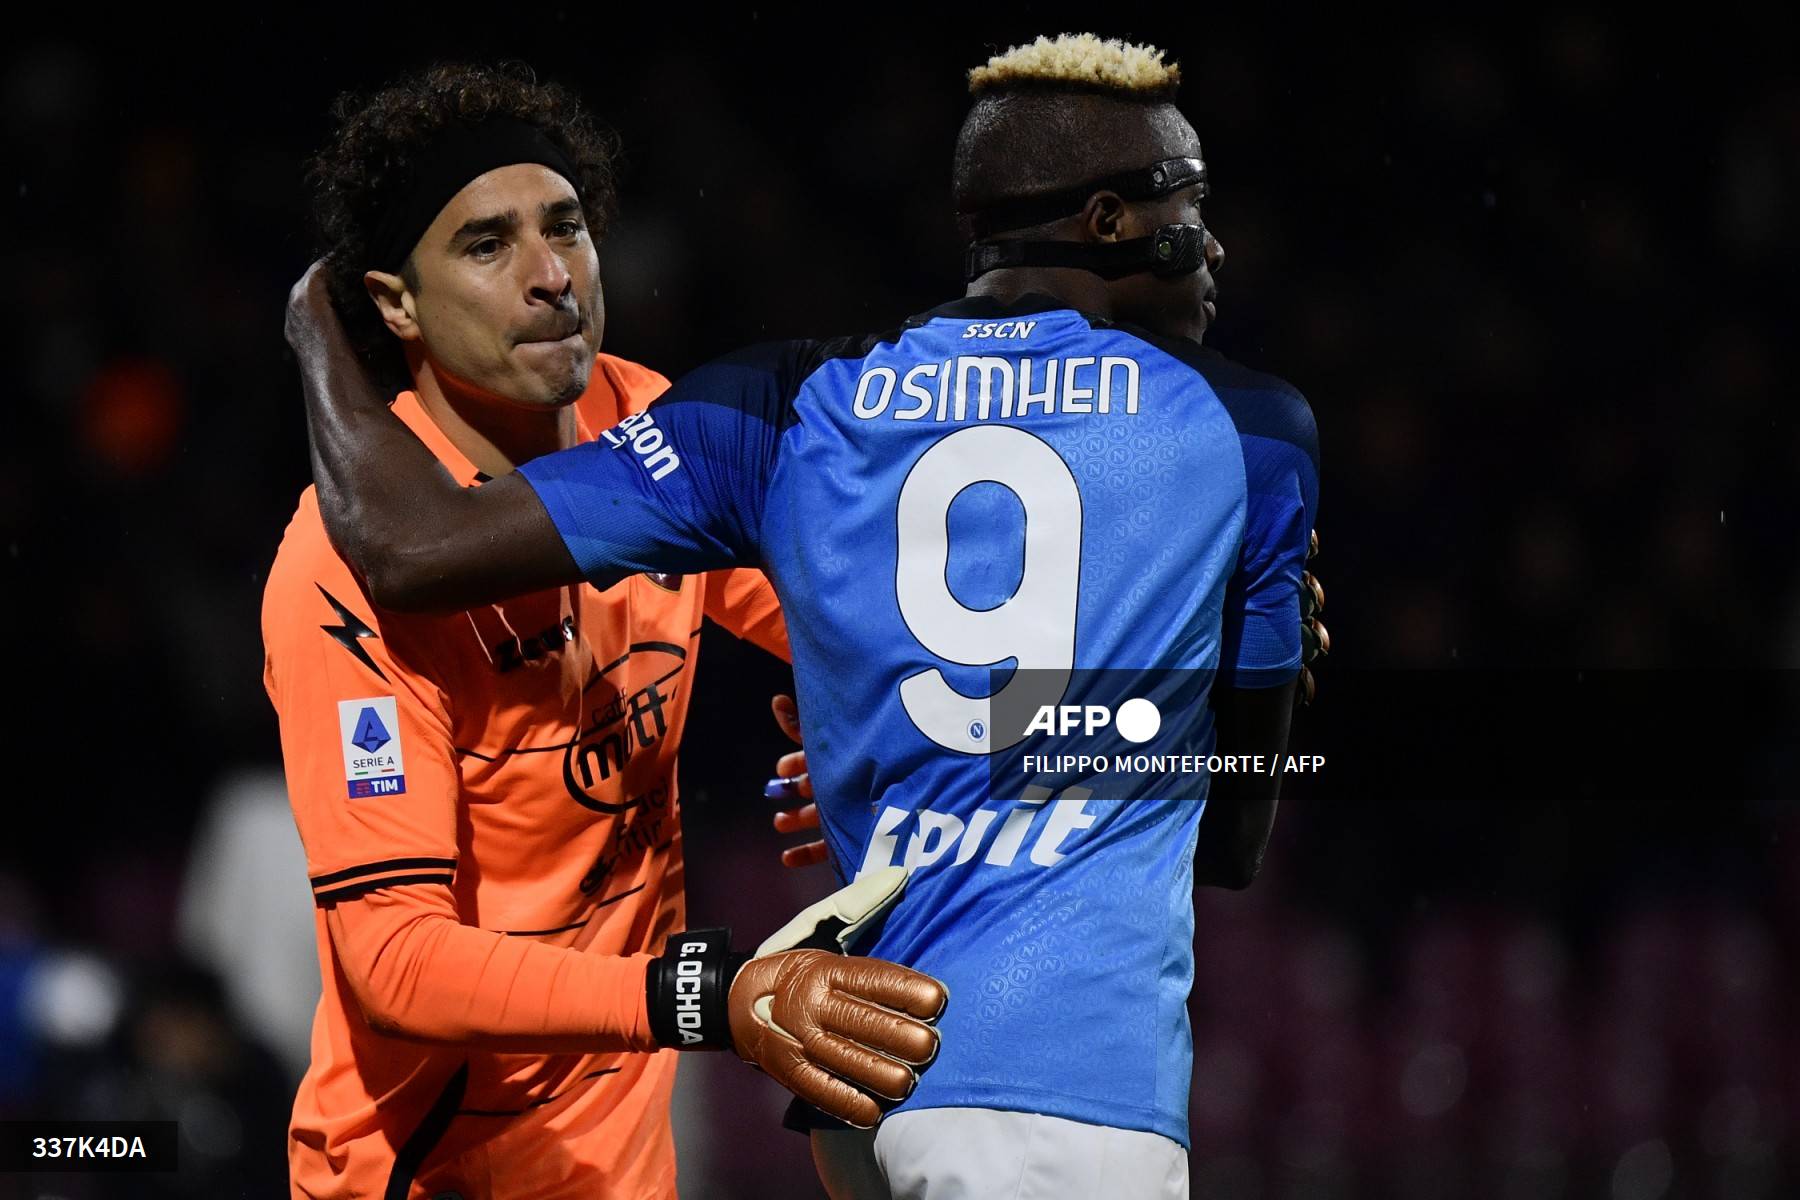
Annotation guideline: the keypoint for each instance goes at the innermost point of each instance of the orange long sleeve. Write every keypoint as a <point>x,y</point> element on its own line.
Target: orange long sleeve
<point>417,972</point>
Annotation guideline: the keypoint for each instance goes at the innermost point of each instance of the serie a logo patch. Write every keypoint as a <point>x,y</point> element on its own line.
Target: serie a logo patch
<point>374,764</point>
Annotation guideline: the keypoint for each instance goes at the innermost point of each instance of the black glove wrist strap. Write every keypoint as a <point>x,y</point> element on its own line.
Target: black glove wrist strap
<point>688,989</point>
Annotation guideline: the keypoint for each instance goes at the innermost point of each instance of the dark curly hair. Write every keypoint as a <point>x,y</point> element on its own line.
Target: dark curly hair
<point>371,156</point>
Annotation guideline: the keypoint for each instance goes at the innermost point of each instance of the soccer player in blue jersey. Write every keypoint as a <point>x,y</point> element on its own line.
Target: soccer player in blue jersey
<point>1040,499</point>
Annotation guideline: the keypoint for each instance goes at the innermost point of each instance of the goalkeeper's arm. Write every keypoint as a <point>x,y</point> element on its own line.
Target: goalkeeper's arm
<point>846,1034</point>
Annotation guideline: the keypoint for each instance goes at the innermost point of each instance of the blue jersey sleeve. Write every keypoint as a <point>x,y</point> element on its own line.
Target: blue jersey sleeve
<point>680,486</point>
<point>1260,644</point>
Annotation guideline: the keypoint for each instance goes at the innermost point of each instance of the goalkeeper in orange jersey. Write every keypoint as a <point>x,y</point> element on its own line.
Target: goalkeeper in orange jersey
<point>487,799</point>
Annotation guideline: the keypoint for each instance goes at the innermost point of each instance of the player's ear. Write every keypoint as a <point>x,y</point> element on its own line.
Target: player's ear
<point>1104,217</point>
<point>394,301</point>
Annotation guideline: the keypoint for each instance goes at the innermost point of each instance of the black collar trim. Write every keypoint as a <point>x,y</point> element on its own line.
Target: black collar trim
<point>987,307</point>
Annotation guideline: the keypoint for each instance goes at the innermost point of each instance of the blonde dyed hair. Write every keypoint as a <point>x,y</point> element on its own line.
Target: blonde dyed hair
<point>1082,61</point>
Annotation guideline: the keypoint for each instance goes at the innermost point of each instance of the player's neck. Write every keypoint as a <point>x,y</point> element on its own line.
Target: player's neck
<point>1083,291</point>
<point>491,434</point>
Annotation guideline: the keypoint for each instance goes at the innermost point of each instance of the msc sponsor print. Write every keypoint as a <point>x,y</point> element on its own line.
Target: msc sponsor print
<point>620,724</point>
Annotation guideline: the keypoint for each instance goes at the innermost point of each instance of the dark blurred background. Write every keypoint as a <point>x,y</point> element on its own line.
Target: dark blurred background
<point>1532,933</point>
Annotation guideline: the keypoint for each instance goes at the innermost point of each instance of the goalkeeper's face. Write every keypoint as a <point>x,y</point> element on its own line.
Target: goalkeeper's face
<point>503,291</point>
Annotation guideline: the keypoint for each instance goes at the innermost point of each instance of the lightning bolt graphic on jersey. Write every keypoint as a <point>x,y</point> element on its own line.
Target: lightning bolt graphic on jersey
<point>347,634</point>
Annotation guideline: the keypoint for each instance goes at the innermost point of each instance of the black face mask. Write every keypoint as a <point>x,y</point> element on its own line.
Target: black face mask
<point>1172,250</point>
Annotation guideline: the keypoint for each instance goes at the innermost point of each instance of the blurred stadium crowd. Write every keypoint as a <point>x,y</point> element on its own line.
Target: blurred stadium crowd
<point>1535,279</point>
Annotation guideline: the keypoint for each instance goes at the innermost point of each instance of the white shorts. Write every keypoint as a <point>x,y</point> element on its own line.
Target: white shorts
<point>983,1153</point>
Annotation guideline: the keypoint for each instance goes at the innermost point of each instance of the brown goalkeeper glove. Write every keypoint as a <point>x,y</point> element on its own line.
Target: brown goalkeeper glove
<point>846,1034</point>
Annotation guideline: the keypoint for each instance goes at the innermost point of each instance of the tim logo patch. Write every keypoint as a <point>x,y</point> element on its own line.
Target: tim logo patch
<point>373,761</point>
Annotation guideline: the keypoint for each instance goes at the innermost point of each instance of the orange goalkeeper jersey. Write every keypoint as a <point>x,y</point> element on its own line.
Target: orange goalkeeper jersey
<point>492,832</point>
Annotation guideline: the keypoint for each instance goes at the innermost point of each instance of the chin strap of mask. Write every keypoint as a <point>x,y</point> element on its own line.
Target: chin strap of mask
<point>1172,250</point>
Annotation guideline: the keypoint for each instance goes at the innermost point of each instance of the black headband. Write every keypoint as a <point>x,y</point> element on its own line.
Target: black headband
<point>459,154</point>
<point>1144,183</point>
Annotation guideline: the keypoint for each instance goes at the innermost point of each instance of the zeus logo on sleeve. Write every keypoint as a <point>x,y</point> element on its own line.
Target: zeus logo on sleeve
<point>641,435</point>
<point>369,732</point>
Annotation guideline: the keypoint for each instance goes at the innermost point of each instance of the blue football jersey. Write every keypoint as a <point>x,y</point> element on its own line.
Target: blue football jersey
<point>989,494</point>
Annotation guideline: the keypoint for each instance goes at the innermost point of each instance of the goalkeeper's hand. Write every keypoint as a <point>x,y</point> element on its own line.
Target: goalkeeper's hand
<point>1314,638</point>
<point>792,783</point>
<point>848,1035</point>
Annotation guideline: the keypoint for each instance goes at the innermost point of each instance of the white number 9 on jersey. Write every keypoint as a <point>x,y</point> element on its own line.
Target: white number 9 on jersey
<point>1035,626</point>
